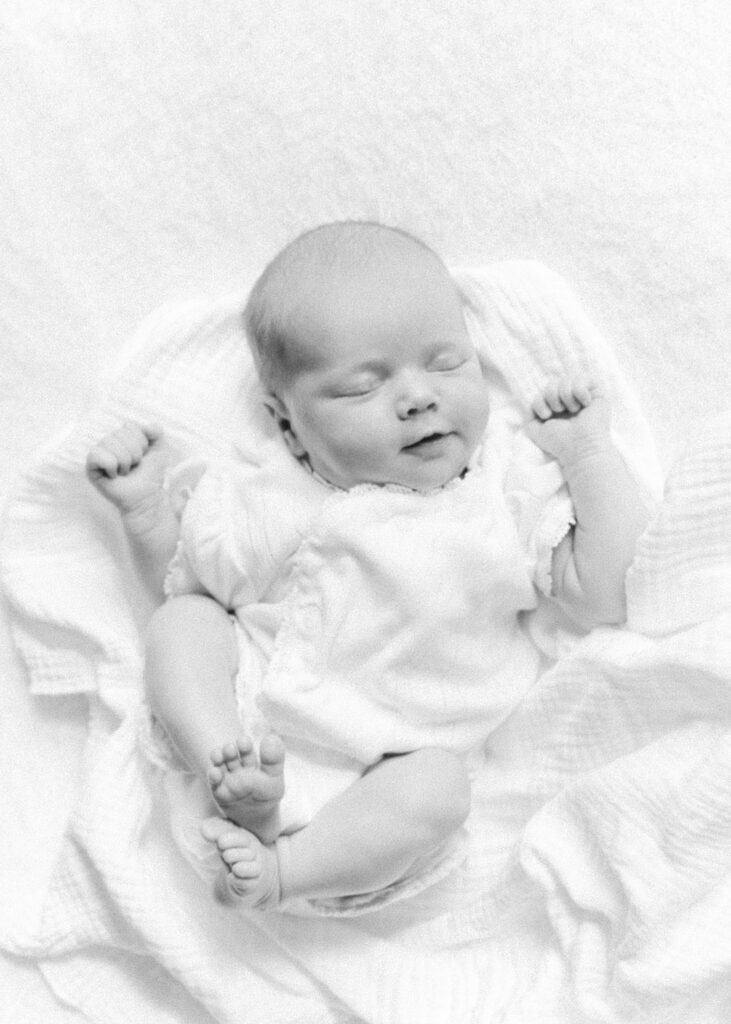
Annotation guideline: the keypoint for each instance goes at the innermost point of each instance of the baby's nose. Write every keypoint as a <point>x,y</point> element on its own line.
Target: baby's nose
<point>416,396</point>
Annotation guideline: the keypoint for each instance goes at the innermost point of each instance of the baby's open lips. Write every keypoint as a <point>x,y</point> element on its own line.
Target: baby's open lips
<point>425,440</point>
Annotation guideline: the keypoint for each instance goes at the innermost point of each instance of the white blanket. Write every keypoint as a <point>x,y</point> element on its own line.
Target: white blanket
<point>597,887</point>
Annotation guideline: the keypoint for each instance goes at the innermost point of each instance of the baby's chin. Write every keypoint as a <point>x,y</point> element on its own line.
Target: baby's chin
<point>427,477</point>
<point>428,482</point>
<point>427,471</point>
<point>424,470</point>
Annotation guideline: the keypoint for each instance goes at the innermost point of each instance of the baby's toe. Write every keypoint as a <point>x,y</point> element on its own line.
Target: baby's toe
<point>231,759</point>
<point>238,855</point>
<point>218,757</point>
<point>271,754</point>
<point>246,869</point>
<point>235,838</point>
<point>246,752</point>
<point>213,829</point>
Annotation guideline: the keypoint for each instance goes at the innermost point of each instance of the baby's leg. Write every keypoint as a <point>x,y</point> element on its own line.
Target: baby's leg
<point>362,840</point>
<point>191,661</point>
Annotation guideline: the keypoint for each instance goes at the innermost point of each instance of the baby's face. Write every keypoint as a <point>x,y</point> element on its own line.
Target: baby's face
<point>390,388</point>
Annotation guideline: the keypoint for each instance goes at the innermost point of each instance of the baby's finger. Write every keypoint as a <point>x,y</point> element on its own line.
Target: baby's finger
<point>134,437</point>
<point>540,408</point>
<point>583,393</point>
<point>119,448</point>
<point>140,436</point>
<point>101,462</point>
<point>552,396</point>
<point>568,397</point>
<point>152,431</point>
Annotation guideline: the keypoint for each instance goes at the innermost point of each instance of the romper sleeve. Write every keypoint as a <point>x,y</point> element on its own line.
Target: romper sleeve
<point>541,507</point>
<point>217,550</point>
<point>238,525</point>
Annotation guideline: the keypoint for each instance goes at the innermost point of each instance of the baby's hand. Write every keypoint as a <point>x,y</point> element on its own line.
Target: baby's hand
<point>128,466</point>
<point>572,420</point>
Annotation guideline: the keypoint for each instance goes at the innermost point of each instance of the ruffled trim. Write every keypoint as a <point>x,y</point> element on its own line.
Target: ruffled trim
<point>538,499</point>
<point>170,586</point>
<point>389,488</point>
<point>181,480</point>
<point>551,532</point>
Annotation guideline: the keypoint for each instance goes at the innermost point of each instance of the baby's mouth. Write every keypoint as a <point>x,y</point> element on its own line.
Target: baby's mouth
<point>426,442</point>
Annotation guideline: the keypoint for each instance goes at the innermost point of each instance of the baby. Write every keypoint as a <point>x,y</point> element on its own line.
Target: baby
<point>363,587</point>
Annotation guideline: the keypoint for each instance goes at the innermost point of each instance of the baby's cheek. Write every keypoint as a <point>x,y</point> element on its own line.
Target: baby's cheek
<point>473,407</point>
<point>357,451</point>
<point>362,447</point>
<point>343,441</point>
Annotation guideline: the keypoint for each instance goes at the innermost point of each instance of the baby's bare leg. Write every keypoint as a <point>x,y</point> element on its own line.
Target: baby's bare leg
<point>363,840</point>
<point>191,661</point>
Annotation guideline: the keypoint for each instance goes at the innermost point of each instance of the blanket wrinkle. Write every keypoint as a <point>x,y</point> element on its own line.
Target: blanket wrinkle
<point>597,882</point>
<point>680,575</point>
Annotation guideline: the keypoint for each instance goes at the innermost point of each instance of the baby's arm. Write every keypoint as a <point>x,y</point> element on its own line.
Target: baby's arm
<point>572,423</point>
<point>128,467</point>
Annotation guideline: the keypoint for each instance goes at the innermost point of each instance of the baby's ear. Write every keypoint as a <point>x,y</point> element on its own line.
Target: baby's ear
<point>278,410</point>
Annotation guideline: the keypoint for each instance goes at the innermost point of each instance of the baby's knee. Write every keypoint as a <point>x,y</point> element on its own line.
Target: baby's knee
<point>187,611</point>
<point>441,794</point>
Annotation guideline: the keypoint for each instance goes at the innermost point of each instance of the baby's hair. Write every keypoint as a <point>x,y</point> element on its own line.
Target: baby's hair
<point>269,316</point>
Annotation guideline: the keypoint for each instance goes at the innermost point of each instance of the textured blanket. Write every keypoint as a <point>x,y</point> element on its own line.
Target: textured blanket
<point>597,886</point>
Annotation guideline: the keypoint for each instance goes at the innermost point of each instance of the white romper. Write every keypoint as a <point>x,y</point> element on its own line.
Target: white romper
<point>380,619</point>
<point>377,620</point>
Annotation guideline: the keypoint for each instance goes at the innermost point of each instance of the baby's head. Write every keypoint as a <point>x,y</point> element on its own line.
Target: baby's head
<point>360,342</point>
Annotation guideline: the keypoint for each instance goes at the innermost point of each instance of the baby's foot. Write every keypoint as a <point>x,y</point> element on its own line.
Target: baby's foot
<point>250,873</point>
<point>248,789</point>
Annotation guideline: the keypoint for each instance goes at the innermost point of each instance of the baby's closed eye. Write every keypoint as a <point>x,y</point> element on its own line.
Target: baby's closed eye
<point>447,363</point>
<point>356,387</point>
<point>450,358</point>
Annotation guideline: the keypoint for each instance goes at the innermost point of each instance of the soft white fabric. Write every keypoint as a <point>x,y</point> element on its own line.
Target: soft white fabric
<point>596,887</point>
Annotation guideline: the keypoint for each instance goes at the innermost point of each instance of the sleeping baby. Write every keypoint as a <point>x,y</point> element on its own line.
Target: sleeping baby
<point>358,596</point>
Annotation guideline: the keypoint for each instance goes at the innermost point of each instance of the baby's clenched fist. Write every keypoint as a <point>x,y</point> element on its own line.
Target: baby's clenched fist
<point>572,419</point>
<point>128,465</point>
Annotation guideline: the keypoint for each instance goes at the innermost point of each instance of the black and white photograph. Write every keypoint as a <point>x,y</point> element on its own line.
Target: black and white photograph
<point>365,512</point>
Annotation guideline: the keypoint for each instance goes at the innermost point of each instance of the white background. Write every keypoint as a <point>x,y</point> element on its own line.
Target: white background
<point>154,151</point>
